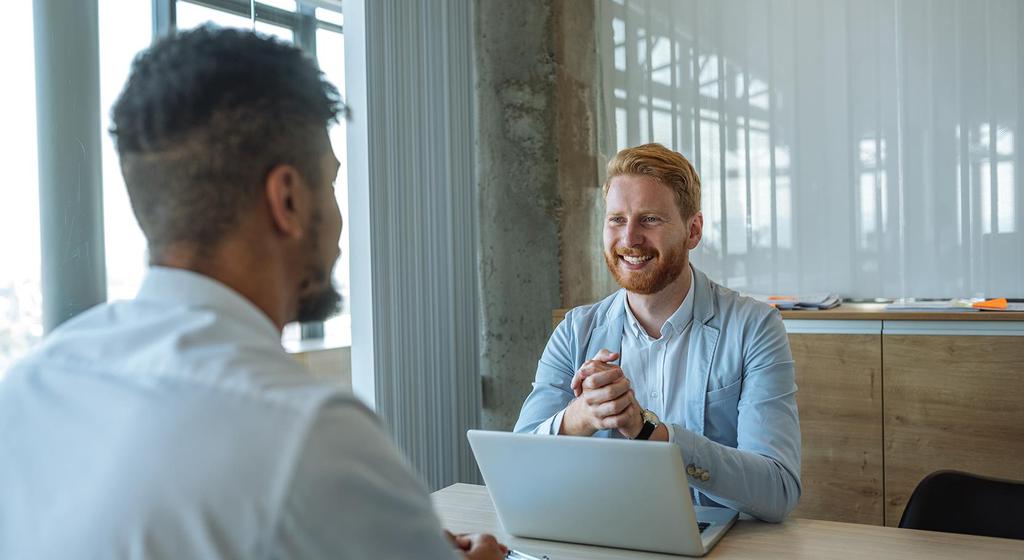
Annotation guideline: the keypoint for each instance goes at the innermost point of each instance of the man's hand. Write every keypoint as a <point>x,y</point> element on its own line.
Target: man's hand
<point>478,546</point>
<point>598,364</point>
<point>604,398</point>
<point>634,421</point>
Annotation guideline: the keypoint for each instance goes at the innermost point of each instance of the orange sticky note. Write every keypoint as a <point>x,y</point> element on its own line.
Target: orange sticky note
<point>998,303</point>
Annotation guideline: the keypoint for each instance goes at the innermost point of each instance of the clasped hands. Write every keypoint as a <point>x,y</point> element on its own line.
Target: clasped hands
<point>604,400</point>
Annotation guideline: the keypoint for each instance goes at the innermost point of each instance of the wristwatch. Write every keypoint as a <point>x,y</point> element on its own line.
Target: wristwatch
<point>651,422</point>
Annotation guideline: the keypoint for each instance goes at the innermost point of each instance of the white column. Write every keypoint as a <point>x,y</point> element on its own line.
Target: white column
<point>413,215</point>
<point>70,186</point>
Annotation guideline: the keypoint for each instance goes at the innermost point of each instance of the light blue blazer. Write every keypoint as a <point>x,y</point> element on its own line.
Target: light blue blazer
<point>740,422</point>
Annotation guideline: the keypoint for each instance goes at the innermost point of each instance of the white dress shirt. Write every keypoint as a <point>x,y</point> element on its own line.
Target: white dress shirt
<point>656,367</point>
<point>175,426</point>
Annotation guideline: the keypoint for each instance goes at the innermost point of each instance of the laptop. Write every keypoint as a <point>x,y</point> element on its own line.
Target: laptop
<point>597,491</point>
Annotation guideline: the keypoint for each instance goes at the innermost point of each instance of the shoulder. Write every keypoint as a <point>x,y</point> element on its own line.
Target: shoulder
<point>742,316</point>
<point>586,317</point>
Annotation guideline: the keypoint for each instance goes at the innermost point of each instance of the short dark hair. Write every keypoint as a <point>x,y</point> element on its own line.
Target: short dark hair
<point>204,117</point>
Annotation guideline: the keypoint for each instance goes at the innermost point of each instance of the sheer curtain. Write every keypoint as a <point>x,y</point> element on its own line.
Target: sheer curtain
<point>867,147</point>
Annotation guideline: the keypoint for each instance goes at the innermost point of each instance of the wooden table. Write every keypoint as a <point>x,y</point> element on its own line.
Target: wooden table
<point>468,508</point>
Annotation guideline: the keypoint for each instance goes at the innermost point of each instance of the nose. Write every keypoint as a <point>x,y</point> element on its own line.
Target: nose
<point>632,235</point>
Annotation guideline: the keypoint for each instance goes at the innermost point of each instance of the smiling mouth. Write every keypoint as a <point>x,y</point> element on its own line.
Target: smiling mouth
<point>636,260</point>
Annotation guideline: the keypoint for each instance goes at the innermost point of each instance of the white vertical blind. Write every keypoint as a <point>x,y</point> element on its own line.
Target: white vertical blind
<point>868,147</point>
<point>412,191</point>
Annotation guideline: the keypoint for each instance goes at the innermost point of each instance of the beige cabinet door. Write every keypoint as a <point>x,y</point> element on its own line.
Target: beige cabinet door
<point>951,402</point>
<point>839,395</point>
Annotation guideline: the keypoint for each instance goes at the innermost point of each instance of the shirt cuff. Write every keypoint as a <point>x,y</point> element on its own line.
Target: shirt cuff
<point>551,426</point>
<point>556,423</point>
<point>671,432</point>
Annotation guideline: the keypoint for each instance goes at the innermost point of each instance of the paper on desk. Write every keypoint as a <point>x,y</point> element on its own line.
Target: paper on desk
<point>807,301</point>
<point>938,305</point>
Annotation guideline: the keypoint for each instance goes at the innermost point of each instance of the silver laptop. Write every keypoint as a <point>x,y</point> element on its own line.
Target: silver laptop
<point>605,492</point>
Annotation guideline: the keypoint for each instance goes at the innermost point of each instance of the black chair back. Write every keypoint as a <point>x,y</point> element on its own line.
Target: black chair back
<point>959,502</point>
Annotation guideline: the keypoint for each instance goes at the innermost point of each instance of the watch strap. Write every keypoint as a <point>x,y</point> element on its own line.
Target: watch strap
<point>646,430</point>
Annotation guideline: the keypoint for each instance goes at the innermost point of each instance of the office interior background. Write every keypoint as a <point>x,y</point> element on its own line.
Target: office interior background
<point>863,147</point>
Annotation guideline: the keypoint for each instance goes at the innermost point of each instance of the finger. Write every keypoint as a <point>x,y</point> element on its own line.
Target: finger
<point>605,355</point>
<point>614,407</point>
<point>577,384</point>
<point>463,542</point>
<point>622,419</point>
<point>590,367</point>
<point>608,392</point>
<point>484,541</point>
<point>602,378</point>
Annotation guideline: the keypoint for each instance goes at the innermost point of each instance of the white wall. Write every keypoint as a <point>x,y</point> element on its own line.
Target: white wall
<point>868,147</point>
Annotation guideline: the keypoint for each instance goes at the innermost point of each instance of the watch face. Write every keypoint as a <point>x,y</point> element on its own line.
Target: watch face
<point>651,417</point>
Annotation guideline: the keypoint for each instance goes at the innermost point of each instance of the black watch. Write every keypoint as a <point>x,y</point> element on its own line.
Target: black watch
<point>651,423</point>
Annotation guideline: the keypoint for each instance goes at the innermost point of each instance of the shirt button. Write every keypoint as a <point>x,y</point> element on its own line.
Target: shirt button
<point>654,394</point>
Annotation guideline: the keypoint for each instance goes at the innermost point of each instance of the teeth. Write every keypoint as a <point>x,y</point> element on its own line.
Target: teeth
<point>636,260</point>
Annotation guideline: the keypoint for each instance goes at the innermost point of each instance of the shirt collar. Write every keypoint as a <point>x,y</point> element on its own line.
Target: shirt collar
<point>678,322</point>
<point>192,289</point>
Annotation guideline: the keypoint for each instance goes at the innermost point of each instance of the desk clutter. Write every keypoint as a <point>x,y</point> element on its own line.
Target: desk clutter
<point>823,301</point>
<point>800,302</point>
<point>968,305</point>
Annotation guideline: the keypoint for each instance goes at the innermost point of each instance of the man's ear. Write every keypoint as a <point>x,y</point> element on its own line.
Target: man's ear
<point>288,201</point>
<point>696,231</point>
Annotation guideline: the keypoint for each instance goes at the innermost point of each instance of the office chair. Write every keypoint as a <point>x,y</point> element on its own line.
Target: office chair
<point>959,502</point>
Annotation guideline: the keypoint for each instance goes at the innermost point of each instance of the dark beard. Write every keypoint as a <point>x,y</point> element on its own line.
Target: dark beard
<point>319,306</point>
<point>324,303</point>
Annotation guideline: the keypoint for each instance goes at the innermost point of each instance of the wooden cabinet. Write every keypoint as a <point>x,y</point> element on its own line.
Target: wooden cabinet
<point>951,402</point>
<point>839,395</point>
<point>917,397</point>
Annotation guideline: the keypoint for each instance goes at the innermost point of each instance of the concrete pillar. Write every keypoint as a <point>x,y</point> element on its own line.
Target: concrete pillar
<point>540,192</point>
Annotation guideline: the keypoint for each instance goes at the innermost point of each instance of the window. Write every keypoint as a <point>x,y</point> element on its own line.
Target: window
<point>21,311</point>
<point>330,52</point>
<point>125,29</point>
<point>124,244</point>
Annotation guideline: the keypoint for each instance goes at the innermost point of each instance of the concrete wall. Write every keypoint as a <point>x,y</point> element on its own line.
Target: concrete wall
<point>538,185</point>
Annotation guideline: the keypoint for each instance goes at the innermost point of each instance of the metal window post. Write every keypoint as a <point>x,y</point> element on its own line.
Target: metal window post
<point>165,18</point>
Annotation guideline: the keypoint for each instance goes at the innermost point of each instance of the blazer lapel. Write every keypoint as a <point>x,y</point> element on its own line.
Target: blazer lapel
<point>700,354</point>
<point>608,333</point>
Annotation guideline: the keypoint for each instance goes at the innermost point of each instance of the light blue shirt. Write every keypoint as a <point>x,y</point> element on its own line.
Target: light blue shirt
<point>175,426</point>
<point>732,407</point>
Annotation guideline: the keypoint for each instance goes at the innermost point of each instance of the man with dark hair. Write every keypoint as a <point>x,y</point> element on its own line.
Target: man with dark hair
<point>174,425</point>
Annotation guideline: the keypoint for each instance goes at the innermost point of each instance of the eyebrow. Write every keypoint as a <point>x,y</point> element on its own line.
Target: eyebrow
<point>644,211</point>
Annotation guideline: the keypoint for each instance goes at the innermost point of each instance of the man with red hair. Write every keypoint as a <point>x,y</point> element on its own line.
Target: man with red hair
<point>673,356</point>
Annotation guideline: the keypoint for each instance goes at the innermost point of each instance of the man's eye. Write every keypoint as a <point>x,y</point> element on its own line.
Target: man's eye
<point>616,220</point>
<point>650,219</point>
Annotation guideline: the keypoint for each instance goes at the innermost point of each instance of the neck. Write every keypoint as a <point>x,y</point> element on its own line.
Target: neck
<point>233,262</point>
<point>652,310</point>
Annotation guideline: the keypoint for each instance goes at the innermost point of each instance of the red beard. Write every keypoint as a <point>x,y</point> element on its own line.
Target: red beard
<point>656,274</point>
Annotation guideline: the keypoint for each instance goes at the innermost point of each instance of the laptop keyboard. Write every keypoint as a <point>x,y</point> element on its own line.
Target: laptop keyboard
<point>701,525</point>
